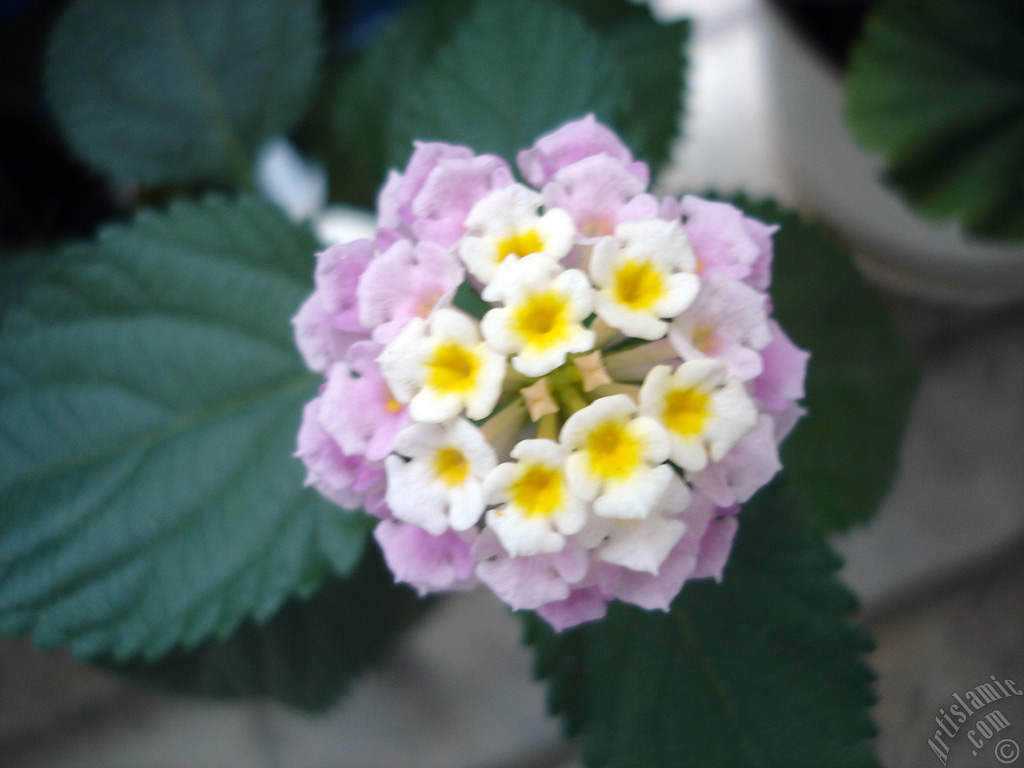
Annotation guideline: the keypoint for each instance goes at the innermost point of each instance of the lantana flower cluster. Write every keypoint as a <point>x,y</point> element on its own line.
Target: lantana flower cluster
<point>562,388</point>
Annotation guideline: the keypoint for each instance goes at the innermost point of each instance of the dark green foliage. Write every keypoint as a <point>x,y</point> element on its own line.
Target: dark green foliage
<point>937,86</point>
<point>181,90</point>
<point>307,654</point>
<point>497,75</point>
<point>478,92</point>
<point>150,394</point>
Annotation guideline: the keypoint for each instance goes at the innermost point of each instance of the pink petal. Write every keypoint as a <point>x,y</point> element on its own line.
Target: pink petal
<point>599,192</point>
<point>785,368</point>
<point>719,237</point>
<point>429,563</point>
<point>340,478</point>
<point>337,274</point>
<point>529,582</point>
<point>571,143</point>
<point>749,466</point>
<point>451,189</point>
<point>715,548</point>
<point>582,605</point>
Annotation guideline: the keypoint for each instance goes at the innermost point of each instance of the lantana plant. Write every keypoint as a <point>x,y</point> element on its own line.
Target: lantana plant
<point>634,415</point>
<point>591,435</point>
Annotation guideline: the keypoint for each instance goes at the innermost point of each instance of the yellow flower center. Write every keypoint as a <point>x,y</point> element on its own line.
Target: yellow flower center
<point>613,453</point>
<point>427,302</point>
<point>541,321</point>
<point>686,411</point>
<point>450,466</point>
<point>520,244</point>
<point>539,491</point>
<point>704,338</point>
<point>638,284</point>
<point>452,368</point>
<point>595,226</point>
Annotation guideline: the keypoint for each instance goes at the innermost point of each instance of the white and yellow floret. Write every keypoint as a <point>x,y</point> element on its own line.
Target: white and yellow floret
<point>616,457</point>
<point>644,273</point>
<point>442,367</point>
<point>441,484</point>
<point>537,510</point>
<point>704,411</point>
<point>542,320</point>
<point>505,224</point>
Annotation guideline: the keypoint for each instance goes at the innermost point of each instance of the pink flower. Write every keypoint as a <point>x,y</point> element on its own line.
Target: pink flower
<point>728,320</point>
<point>394,204</point>
<point>429,563</point>
<point>356,407</point>
<point>761,234</point>
<point>751,464</point>
<point>582,605</point>
<point>528,582</point>
<point>715,546</point>
<point>336,277</point>
<point>327,323</point>
<point>341,478</point>
<point>781,382</point>
<point>721,238</point>
<point>441,184</point>
<point>571,143</point>
<point>610,458</point>
<point>429,277</point>
<point>599,192</point>
<point>313,334</point>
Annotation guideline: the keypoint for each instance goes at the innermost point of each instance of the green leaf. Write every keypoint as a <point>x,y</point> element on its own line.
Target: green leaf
<point>937,86</point>
<point>650,59</point>
<point>181,90</point>
<point>764,670</point>
<point>17,272</point>
<point>843,455</point>
<point>150,395</point>
<point>360,127</point>
<point>307,654</point>
<point>512,72</point>
<point>356,117</point>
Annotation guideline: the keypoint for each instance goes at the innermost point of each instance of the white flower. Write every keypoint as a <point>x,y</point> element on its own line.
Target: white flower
<point>442,373</point>
<point>644,273</point>
<point>542,320</point>
<point>441,486</point>
<point>704,411</point>
<point>506,223</point>
<point>616,458</point>
<point>537,507</point>
<point>642,545</point>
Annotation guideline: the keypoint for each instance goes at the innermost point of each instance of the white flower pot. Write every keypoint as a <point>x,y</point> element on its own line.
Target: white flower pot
<point>834,177</point>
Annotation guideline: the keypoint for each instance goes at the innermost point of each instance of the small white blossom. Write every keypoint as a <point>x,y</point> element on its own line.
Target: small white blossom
<point>542,320</point>
<point>506,224</point>
<point>645,273</point>
<point>642,545</point>
<point>441,486</point>
<point>443,367</point>
<point>537,509</point>
<point>704,411</point>
<point>616,457</point>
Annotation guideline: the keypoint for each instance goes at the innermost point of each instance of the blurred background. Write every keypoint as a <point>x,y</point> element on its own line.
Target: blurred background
<point>940,572</point>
